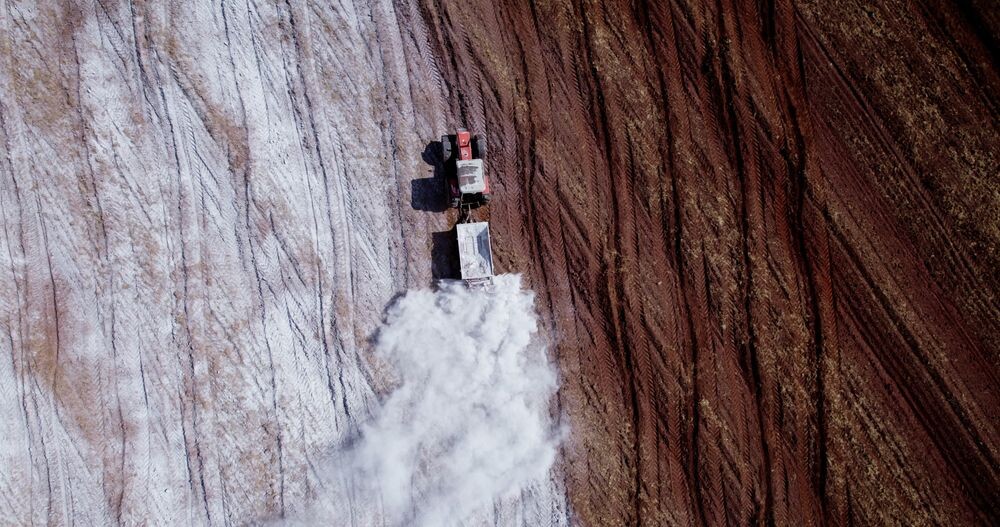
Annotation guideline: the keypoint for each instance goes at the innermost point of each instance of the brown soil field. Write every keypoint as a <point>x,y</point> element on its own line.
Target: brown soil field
<point>766,237</point>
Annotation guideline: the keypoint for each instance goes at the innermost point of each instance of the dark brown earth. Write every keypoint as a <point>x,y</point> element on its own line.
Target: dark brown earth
<point>766,238</point>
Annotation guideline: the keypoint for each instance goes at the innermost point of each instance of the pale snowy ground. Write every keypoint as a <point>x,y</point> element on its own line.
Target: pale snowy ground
<point>205,211</point>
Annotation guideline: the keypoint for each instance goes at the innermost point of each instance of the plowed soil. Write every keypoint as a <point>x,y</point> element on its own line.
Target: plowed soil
<point>764,237</point>
<point>766,240</point>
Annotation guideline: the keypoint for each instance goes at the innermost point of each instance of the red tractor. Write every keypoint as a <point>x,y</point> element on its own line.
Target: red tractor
<point>467,182</point>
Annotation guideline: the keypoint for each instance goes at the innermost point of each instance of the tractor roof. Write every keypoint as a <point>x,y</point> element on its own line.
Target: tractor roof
<point>470,176</point>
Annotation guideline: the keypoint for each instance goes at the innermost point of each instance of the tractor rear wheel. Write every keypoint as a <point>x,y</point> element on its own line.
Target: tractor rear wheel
<point>480,146</point>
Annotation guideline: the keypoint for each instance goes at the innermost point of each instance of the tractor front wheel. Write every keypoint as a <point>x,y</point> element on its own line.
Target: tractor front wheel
<point>445,148</point>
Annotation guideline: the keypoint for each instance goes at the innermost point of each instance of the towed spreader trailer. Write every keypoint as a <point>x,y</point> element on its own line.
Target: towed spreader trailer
<point>475,253</point>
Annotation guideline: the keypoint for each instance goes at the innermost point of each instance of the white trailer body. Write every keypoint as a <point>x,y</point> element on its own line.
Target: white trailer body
<point>475,253</point>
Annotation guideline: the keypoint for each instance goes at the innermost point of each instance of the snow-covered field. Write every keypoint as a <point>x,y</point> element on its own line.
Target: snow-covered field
<point>206,212</point>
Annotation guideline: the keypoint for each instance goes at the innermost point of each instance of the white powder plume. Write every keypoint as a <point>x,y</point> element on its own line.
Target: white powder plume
<point>468,423</point>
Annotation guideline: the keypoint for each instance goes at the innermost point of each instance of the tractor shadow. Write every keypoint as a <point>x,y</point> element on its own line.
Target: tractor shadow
<point>430,194</point>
